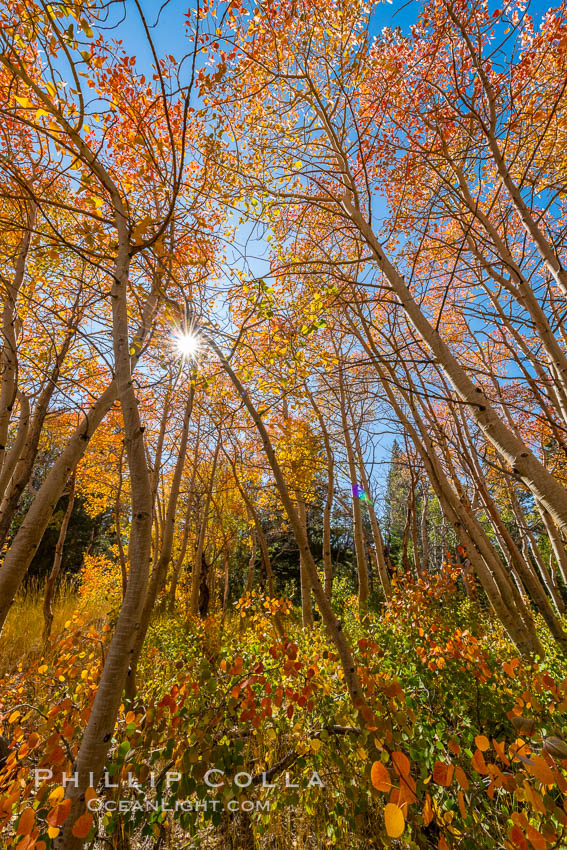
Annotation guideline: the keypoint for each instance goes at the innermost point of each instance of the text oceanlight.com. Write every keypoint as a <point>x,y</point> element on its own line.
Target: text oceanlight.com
<point>98,805</point>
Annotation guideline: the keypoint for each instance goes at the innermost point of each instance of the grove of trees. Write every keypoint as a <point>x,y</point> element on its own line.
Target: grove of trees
<point>283,425</point>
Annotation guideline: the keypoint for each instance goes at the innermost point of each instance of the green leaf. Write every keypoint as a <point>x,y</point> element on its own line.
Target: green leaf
<point>123,748</point>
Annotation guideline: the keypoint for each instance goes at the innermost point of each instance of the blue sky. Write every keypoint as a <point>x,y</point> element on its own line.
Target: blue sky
<point>170,34</point>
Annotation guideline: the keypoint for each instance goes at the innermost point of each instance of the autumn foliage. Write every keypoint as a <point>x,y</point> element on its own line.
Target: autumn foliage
<point>283,404</point>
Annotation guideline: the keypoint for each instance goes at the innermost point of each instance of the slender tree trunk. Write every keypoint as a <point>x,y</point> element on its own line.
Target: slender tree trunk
<point>226,585</point>
<point>424,536</point>
<point>261,537</point>
<point>327,510</point>
<point>251,562</point>
<point>98,733</point>
<point>531,546</point>
<point>196,572</point>
<point>159,573</point>
<point>179,562</point>
<point>378,551</point>
<point>57,561</point>
<point>306,604</point>
<point>118,524</point>
<point>405,541</point>
<point>556,543</point>
<point>9,356</point>
<point>362,567</point>
<point>15,453</point>
<point>414,537</point>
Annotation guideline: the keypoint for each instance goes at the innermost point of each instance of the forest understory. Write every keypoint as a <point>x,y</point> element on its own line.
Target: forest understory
<point>283,425</point>
<point>456,711</point>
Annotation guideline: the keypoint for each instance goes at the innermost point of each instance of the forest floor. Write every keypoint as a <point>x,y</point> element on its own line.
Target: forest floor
<point>457,738</point>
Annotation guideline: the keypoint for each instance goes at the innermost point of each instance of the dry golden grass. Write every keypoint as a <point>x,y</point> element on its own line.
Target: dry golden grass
<point>22,633</point>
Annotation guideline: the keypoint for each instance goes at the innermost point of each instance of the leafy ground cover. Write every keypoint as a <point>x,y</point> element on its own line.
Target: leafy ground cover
<point>463,746</point>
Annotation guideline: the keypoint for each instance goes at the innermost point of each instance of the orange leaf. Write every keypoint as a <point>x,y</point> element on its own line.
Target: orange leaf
<point>534,798</point>
<point>539,768</point>
<point>443,773</point>
<point>500,748</point>
<point>82,826</point>
<point>407,791</point>
<point>454,746</point>
<point>536,839</point>
<point>479,763</point>
<point>238,666</point>
<point>482,742</point>
<point>427,811</point>
<point>461,802</point>
<point>26,822</point>
<point>380,777</point>
<point>27,842</point>
<point>517,837</point>
<point>59,814</point>
<point>401,764</point>
<point>57,755</point>
<point>461,777</point>
<point>394,820</point>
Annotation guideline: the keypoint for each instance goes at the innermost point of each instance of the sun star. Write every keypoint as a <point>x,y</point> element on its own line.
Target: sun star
<point>187,345</point>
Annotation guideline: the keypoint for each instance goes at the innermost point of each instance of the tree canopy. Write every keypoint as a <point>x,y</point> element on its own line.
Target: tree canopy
<point>283,425</point>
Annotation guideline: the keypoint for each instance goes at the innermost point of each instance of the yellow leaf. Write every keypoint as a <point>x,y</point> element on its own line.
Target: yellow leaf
<point>57,795</point>
<point>23,101</point>
<point>394,820</point>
